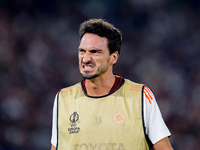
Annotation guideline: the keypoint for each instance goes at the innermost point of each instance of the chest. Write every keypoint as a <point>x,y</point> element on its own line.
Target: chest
<point>111,115</point>
<point>106,123</point>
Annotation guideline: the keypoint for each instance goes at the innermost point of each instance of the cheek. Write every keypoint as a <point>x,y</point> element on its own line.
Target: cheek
<point>79,59</point>
<point>102,62</point>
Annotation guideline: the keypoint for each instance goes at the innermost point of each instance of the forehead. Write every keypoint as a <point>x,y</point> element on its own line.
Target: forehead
<point>93,41</point>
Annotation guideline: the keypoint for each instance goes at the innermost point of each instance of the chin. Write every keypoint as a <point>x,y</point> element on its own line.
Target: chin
<point>89,77</point>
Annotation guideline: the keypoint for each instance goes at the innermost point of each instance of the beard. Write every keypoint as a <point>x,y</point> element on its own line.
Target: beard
<point>100,70</point>
<point>87,76</point>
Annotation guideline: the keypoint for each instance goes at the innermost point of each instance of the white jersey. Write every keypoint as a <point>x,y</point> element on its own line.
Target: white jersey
<point>155,126</point>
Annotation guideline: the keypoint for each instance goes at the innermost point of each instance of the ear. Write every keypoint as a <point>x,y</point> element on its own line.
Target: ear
<point>114,57</point>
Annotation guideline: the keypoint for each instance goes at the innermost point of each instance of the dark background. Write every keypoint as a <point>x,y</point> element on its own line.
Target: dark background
<point>38,56</point>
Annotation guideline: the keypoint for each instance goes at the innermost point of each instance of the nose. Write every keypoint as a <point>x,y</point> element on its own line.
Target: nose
<point>86,58</point>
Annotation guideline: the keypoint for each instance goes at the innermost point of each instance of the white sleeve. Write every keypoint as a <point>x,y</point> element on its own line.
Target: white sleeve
<point>155,126</point>
<point>54,124</point>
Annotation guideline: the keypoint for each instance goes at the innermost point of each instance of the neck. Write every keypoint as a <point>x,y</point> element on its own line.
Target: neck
<point>99,86</point>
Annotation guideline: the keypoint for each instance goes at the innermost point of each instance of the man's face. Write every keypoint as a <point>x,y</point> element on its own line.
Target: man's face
<point>94,56</point>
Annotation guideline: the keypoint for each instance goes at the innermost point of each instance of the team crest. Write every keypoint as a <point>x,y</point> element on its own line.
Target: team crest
<point>73,119</point>
<point>119,118</point>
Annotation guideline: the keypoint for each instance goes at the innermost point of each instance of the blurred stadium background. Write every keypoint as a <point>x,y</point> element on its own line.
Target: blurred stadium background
<point>38,56</point>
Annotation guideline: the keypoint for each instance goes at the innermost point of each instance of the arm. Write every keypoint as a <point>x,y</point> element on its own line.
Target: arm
<point>155,126</point>
<point>163,144</point>
<point>54,124</point>
<point>53,147</point>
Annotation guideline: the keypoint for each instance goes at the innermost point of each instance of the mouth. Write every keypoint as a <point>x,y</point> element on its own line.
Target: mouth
<point>87,67</point>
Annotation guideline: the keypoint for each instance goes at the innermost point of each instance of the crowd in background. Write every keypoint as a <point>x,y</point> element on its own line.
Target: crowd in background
<point>38,56</point>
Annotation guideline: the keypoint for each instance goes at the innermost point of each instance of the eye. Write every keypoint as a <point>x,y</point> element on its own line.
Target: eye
<point>95,51</point>
<point>81,50</point>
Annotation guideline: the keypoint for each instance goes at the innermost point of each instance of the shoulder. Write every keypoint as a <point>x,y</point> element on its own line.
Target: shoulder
<point>133,86</point>
<point>128,81</point>
<point>71,92</point>
<point>148,94</point>
<point>132,89</point>
<point>71,89</point>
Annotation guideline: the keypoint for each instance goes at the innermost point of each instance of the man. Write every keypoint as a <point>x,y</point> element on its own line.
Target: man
<point>105,111</point>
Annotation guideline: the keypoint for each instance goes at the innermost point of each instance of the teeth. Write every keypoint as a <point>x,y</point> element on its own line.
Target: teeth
<point>88,67</point>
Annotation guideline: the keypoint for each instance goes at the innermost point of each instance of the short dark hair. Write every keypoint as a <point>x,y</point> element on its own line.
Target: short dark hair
<point>103,29</point>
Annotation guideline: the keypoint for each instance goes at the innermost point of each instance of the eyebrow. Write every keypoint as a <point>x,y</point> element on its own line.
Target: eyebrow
<point>93,49</point>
